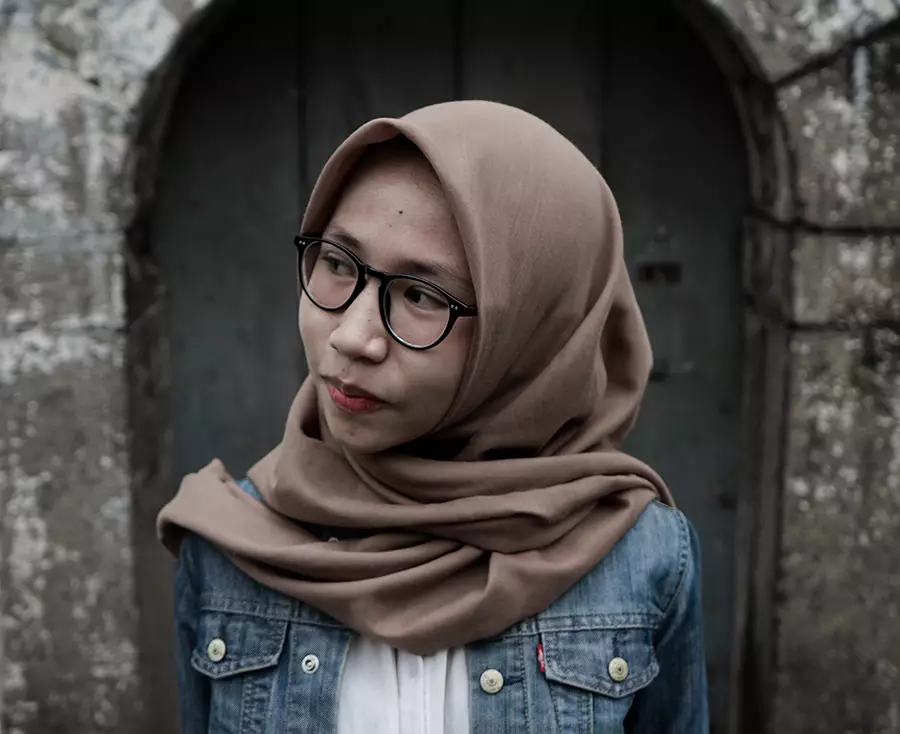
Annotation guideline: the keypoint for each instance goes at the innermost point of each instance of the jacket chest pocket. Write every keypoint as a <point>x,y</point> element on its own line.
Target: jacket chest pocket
<point>239,654</point>
<point>593,675</point>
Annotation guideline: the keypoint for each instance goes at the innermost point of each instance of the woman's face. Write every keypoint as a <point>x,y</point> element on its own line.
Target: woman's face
<point>394,216</point>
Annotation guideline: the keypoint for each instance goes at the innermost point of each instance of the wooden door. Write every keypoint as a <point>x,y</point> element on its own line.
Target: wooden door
<point>674,158</point>
<point>228,200</point>
<point>274,93</point>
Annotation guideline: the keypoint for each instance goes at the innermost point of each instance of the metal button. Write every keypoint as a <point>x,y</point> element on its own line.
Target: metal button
<point>216,650</point>
<point>332,539</point>
<point>309,664</point>
<point>618,669</point>
<point>491,681</point>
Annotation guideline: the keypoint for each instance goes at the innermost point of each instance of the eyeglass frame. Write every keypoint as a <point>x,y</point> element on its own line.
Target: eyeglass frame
<point>458,309</point>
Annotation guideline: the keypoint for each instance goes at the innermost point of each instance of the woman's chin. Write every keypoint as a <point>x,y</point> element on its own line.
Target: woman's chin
<point>352,434</point>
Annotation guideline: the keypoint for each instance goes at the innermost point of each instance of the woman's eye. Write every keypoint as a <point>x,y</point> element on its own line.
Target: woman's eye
<point>425,298</point>
<point>338,265</point>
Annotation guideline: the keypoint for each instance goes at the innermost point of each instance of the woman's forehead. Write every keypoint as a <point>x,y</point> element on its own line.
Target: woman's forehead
<point>394,221</point>
<point>533,215</point>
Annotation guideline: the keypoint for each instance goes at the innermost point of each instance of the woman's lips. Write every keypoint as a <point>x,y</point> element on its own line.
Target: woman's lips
<point>353,400</point>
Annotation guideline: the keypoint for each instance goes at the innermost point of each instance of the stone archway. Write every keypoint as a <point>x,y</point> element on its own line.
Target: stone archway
<point>160,488</point>
<point>85,95</point>
<point>635,90</point>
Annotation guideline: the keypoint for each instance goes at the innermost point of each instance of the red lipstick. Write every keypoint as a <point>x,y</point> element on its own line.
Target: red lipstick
<point>353,400</point>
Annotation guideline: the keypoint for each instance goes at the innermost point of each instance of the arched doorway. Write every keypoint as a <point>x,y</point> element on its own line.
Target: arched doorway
<point>272,93</point>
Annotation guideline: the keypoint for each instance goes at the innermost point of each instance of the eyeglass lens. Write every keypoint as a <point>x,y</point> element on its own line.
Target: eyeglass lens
<point>415,312</point>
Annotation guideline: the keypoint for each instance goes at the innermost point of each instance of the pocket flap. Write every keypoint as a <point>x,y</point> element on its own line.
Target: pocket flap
<point>612,662</point>
<point>228,644</point>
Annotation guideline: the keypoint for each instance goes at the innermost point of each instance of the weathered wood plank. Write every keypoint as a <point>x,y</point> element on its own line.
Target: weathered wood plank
<point>365,60</point>
<point>675,159</point>
<point>545,57</point>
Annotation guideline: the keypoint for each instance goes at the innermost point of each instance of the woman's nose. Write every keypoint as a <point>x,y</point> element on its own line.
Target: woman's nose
<point>360,333</point>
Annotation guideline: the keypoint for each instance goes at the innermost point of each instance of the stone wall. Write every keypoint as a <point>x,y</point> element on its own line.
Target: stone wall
<point>838,646</point>
<point>71,77</point>
<point>822,276</point>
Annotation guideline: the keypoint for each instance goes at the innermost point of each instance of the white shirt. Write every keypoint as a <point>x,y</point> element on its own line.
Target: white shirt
<point>389,691</point>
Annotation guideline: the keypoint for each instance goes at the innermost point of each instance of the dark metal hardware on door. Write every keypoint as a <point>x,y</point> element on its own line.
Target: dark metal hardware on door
<point>664,368</point>
<point>659,267</point>
<point>659,272</point>
<point>657,264</point>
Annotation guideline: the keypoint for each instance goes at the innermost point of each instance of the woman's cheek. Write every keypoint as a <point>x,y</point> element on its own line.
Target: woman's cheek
<point>313,332</point>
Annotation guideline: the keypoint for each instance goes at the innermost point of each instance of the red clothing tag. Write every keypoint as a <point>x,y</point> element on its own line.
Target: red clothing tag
<point>541,658</point>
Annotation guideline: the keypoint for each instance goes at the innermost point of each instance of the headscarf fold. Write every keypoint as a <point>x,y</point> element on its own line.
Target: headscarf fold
<point>530,490</point>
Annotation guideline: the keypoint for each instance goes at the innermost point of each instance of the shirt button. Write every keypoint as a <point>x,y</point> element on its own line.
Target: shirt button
<point>309,664</point>
<point>491,681</point>
<point>332,539</point>
<point>216,650</point>
<point>618,669</point>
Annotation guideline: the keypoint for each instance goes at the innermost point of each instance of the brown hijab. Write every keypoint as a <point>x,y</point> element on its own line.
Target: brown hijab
<point>520,490</point>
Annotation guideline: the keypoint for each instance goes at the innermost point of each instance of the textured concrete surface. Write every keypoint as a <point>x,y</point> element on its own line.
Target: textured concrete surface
<point>71,76</point>
<point>822,279</point>
<point>839,616</point>
<point>67,610</point>
<point>787,34</point>
<point>845,128</point>
<point>769,154</point>
<point>846,279</point>
<point>767,269</point>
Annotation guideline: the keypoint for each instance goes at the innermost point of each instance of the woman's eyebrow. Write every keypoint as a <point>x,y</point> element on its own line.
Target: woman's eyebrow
<point>346,239</point>
<point>431,269</point>
<point>408,266</point>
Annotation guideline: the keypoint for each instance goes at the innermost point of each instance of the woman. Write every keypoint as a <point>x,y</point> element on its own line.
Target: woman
<point>447,539</point>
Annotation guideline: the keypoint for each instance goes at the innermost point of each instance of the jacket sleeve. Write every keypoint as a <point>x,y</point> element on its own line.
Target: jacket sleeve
<point>193,687</point>
<point>676,701</point>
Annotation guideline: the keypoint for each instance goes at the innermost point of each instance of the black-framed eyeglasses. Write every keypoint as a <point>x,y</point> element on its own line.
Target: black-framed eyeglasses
<point>415,311</point>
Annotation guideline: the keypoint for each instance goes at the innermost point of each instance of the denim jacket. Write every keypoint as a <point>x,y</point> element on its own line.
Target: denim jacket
<point>621,651</point>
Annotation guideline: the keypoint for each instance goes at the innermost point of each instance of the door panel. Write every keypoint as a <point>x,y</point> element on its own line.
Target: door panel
<point>635,90</point>
<point>370,60</point>
<point>227,206</point>
<point>278,88</point>
<point>674,158</point>
<point>544,58</point>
